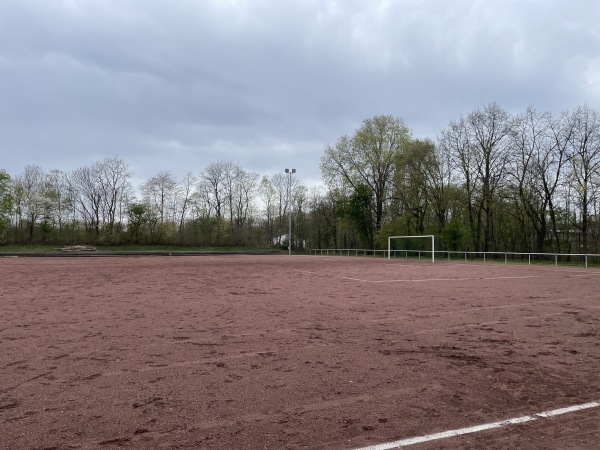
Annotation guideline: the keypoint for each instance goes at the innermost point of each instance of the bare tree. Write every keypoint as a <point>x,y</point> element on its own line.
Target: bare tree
<point>540,142</point>
<point>203,203</point>
<point>55,190</point>
<point>83,187</point>
<point>529,141</point>
<point>159,193</point>
<point>246,188</point>
<point>212,180</point>
<point>480,148</point>
<point>324,223</point>
<point>456,142</point>
<point>490,128</point>
<point>552,164</point>
<point>185,192</point>
<point>440,173</point>
<point>584,159</point>
<point>268,195</point>
<point>114,181</point>
<point>280,184</point>
<point>299,212</point>
<point>100,194</point>
<point>230,174</point>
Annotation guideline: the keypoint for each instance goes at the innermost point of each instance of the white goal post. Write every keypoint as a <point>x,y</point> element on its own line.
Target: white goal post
<point>413,237</point>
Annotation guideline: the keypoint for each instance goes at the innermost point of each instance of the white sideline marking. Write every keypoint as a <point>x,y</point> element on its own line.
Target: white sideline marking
<point>558,412</point>
<point>357,279</point>
<point>468,278</point>
<point>447,434</point>
<point>421,280</point>
<point>478,428</point>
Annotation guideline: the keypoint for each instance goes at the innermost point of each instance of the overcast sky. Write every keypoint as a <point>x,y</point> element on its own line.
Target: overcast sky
<point>178,84</point>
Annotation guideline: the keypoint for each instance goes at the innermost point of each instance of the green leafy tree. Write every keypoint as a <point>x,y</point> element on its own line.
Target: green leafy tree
<point>453,234</point>
<point>368,158</point>
<point>6,203</point>
<point>412,183</point>
<point>357,209</point>
<point>138,218</point>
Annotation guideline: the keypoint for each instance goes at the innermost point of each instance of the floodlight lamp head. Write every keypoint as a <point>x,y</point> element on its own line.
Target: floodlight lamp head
<point>287,170</point>
<point>293,170</point>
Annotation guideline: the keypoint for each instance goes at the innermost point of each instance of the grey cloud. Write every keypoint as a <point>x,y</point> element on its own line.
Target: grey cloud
<point>182,83</point>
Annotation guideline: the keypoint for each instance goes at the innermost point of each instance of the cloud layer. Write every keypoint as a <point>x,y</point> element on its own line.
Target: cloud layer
<point>180,84</point>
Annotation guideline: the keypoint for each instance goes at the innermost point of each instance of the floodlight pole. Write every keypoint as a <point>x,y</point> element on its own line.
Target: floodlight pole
<point>289,172</point>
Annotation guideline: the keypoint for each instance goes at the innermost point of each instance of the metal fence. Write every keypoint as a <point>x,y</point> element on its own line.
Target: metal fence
<point>585,259</point>
<point>348,252</point>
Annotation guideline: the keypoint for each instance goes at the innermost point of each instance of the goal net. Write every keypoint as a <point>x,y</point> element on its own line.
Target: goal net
<point>412,246</point>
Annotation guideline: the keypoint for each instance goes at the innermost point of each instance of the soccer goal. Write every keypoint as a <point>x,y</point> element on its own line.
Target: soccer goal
<point>424,237</point>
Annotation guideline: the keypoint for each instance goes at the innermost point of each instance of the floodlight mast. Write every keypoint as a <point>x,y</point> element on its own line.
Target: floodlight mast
<point>289,172</point>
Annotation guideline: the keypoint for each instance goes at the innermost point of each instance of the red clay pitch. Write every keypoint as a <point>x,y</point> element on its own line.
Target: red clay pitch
<point>280,352</point>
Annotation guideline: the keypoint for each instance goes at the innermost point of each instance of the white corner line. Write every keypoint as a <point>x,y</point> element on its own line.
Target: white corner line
<point>478,428</point>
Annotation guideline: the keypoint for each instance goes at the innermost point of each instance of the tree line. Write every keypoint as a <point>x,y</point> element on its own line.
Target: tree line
<point>490,181</point>
<point>97,204</point>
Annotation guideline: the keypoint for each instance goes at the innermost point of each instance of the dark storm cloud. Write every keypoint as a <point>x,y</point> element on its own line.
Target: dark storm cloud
<point>183,83</point>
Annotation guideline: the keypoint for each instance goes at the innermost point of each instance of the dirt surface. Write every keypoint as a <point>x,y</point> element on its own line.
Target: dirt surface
<point>281,352</point>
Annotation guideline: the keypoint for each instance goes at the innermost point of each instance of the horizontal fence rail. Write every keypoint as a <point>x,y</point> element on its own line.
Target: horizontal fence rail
<point>348,252</point>
<point>556,258</point>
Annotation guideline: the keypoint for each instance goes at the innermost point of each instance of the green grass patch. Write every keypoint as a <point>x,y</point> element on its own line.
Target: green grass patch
<point>176,249</point>
<point>133,249</point>
<point>28,249</point>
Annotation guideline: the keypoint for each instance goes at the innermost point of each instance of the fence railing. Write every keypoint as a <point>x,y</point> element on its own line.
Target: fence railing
<point>348,252</point>
<point>567,258</point>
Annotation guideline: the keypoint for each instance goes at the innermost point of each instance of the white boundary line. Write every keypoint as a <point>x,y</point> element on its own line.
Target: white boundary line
<point>422,280</point>
<point>478,428</point>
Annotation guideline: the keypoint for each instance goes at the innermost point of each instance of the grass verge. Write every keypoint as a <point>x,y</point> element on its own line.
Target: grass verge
<point>49,249</point>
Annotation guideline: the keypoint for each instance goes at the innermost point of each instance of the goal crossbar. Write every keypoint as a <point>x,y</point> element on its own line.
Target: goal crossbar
<point>412,237</point>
